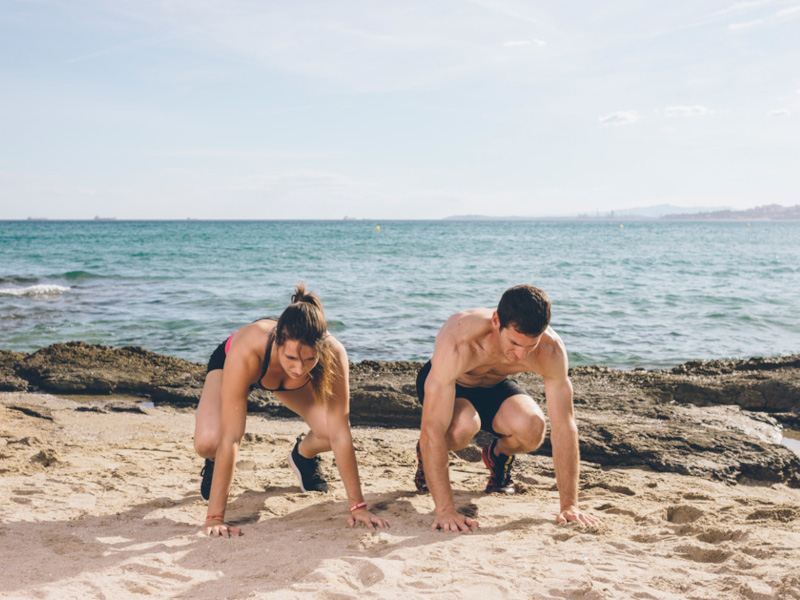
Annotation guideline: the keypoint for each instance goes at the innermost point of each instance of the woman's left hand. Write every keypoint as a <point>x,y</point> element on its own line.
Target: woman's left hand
<point>366,518</point>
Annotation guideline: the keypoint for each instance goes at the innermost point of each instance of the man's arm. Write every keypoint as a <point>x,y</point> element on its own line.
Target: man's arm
<point>437,413</point>
<point>564,437</point>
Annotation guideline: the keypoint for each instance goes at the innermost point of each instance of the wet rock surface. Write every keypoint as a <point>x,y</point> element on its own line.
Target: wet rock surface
<point>717,419</point>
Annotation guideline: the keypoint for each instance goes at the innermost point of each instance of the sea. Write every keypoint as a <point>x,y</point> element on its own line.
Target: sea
<point>630,294</point>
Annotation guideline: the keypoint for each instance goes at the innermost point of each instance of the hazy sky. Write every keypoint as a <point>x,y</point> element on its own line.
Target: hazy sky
<point>268,109</point>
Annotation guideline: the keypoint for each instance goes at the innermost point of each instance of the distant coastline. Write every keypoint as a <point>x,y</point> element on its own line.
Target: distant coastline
<point>768,212</point>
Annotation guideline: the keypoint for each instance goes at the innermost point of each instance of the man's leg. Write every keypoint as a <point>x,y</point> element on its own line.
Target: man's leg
<point>463,427</point>
<point>521,425</point>
<point>465,424</point>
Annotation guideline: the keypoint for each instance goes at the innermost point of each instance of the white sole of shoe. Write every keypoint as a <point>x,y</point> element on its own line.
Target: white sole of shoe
<point>296,472</point>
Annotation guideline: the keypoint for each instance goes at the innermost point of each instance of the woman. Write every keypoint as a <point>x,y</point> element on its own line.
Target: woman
<point>307,369</point>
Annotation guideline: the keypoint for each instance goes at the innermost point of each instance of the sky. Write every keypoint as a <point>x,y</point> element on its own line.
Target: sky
<point>240,109</point>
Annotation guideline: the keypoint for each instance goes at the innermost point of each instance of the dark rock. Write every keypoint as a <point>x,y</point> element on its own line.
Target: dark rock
<point>38,412</point>
<point>79,368</point>
<point>9,364</point>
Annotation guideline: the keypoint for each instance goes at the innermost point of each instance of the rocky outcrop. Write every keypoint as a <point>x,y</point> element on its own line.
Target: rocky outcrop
<point>716,419</point>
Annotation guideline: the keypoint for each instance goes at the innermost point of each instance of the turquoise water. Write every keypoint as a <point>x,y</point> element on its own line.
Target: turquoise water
<point>650,294</point>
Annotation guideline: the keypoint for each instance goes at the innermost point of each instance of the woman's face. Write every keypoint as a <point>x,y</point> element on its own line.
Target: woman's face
<point>296,359</point>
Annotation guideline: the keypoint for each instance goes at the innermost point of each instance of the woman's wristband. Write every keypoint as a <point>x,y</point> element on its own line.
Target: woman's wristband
<point>357,506</point>
<point>215,517</point>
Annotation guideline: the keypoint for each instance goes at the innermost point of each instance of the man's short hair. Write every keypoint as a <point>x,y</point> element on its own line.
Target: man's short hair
<point>526,308</point>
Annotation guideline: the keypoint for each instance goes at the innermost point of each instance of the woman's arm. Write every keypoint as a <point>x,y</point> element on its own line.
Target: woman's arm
<point>338,416</point>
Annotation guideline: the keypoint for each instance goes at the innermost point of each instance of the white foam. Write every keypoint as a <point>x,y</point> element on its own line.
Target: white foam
<point>34,290</point>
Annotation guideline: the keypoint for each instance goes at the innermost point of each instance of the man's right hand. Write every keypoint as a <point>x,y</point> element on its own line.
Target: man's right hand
<point>216,528</point>
<point>454,522</point>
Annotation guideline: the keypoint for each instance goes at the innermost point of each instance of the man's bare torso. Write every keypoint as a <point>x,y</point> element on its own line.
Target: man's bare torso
<point>474,344</point>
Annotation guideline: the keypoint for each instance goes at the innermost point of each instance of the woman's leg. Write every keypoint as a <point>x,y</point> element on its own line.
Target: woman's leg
<point>302,402</point>
<point>304,459</point>
<point>207,417</point>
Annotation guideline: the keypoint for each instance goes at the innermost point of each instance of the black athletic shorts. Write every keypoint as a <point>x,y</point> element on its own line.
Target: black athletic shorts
<point>217,360</point>
<point>486,400</point>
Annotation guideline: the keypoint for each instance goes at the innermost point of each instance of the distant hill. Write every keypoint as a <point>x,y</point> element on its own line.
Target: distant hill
<point>643,212</point>
<point>666,212</point>
<point>768,212</point>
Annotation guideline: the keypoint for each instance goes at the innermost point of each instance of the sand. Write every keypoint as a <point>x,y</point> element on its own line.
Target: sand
<point>100,504</point>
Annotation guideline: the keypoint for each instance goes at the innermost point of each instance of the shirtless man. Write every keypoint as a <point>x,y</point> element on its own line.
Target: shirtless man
<point>465,388</point>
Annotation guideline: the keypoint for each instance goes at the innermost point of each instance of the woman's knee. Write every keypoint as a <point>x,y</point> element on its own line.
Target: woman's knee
<point>205,444</point>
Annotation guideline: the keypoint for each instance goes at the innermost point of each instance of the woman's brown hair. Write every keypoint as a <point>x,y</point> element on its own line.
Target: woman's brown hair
<point>304,321</point>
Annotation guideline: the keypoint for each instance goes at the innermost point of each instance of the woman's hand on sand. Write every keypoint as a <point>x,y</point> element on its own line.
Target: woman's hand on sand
<point>217,528</point>
<point>573,514</point>
<point>366,518</point>
<point>455,522</point>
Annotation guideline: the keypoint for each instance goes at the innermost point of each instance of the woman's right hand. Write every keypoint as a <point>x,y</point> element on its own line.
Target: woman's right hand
<point>217,528</point>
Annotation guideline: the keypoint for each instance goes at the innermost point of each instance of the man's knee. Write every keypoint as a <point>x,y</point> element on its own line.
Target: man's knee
<point>532,435</point>
<point>461,432</point>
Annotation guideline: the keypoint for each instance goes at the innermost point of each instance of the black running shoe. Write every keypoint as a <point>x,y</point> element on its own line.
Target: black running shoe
<point>499,471</point>
<point>307,471</point>
<point>419,478</point>
<point>207,473</point>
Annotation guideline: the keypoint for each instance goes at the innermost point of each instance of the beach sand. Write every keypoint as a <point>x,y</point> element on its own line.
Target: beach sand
<point>105,504</point>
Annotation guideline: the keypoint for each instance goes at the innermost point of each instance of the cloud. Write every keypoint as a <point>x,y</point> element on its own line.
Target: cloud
<point>687,111</point>
<point>229,154</point>
<point>524,43</point>
<point>781,15</point>
<point>369,49</point>
<point>736,26</point>
<point>781,112</point>
<point>621,117</point>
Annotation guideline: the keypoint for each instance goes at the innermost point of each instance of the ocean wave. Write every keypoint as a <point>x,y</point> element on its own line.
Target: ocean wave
<point>77,275</point>
<point>17,279</point>
<point>34,290</point>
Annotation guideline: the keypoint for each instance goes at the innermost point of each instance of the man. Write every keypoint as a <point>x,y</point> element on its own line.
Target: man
<point>465,388</point>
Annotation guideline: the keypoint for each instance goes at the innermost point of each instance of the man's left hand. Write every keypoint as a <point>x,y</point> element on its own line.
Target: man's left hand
<point>573,514</point>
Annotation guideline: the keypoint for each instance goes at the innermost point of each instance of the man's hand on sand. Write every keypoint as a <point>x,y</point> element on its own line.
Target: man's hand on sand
<point>573,514</point>
<point>366,518</point>
<point>216,528</point>
<point>454,522</point>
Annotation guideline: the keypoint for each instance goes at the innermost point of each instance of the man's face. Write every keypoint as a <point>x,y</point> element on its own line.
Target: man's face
<point>515,345</point>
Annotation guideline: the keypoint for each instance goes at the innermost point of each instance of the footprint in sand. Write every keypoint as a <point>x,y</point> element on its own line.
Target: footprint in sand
<point>366,573</point>
<point>694,496</point>
<point>704,555</point>
<point>617,489</point>
<point>781,514</point>
<point>683,513</point>
<point>614,510</point>
<point>715,536</point>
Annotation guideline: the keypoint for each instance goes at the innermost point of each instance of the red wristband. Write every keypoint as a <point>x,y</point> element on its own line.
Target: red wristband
<point>215,517</point>
<point>357,506</point>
